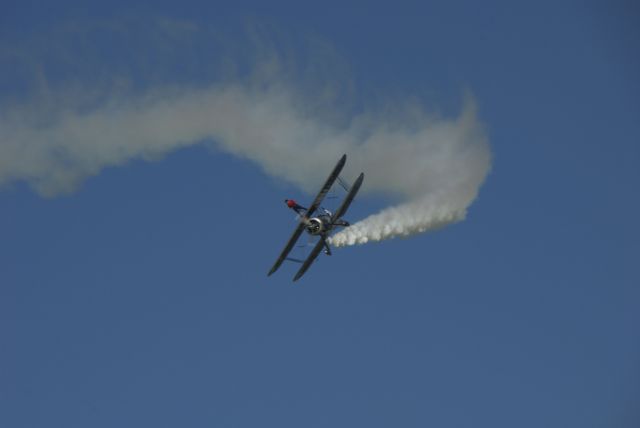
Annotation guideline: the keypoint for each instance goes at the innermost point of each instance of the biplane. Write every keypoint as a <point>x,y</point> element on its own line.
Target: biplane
<point>322,223</point>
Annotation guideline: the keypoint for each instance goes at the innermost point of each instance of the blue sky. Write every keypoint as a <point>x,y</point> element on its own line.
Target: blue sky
<point>141,297</point>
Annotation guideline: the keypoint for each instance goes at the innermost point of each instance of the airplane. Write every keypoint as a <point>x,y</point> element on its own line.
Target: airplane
<point>321,224</point>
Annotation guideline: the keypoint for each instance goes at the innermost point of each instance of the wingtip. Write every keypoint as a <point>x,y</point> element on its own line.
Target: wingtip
<point>299,275</point>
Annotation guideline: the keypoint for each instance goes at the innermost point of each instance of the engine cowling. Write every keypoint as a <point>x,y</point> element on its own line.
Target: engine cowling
<point>315,226</point>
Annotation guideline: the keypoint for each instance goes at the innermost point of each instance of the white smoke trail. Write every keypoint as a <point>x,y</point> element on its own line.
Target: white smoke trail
<point>439,167</point>
<point>408,219</point>
<point>435,164</point>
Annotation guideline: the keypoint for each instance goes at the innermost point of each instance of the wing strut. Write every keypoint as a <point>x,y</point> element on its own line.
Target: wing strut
<point>327,185</point>
<point>292,241</point>
<point>312,257</point>
<point>348,199</point>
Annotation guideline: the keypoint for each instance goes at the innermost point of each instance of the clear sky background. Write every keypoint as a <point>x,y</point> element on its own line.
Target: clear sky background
<point>141,299</point>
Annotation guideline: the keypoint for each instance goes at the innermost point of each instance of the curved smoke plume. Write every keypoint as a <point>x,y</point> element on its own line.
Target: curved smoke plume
<point>436,165</point>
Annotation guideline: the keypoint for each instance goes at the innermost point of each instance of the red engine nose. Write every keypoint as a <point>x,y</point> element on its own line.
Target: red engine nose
<point>290,203</point>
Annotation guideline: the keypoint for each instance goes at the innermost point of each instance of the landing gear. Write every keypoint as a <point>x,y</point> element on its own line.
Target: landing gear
<point>327,249</point>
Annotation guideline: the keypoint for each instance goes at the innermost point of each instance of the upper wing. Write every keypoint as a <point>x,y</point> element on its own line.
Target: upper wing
<point>288,247</point>
<point>327,185</point>
<point>312,256</point>
<point>348,199</point>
